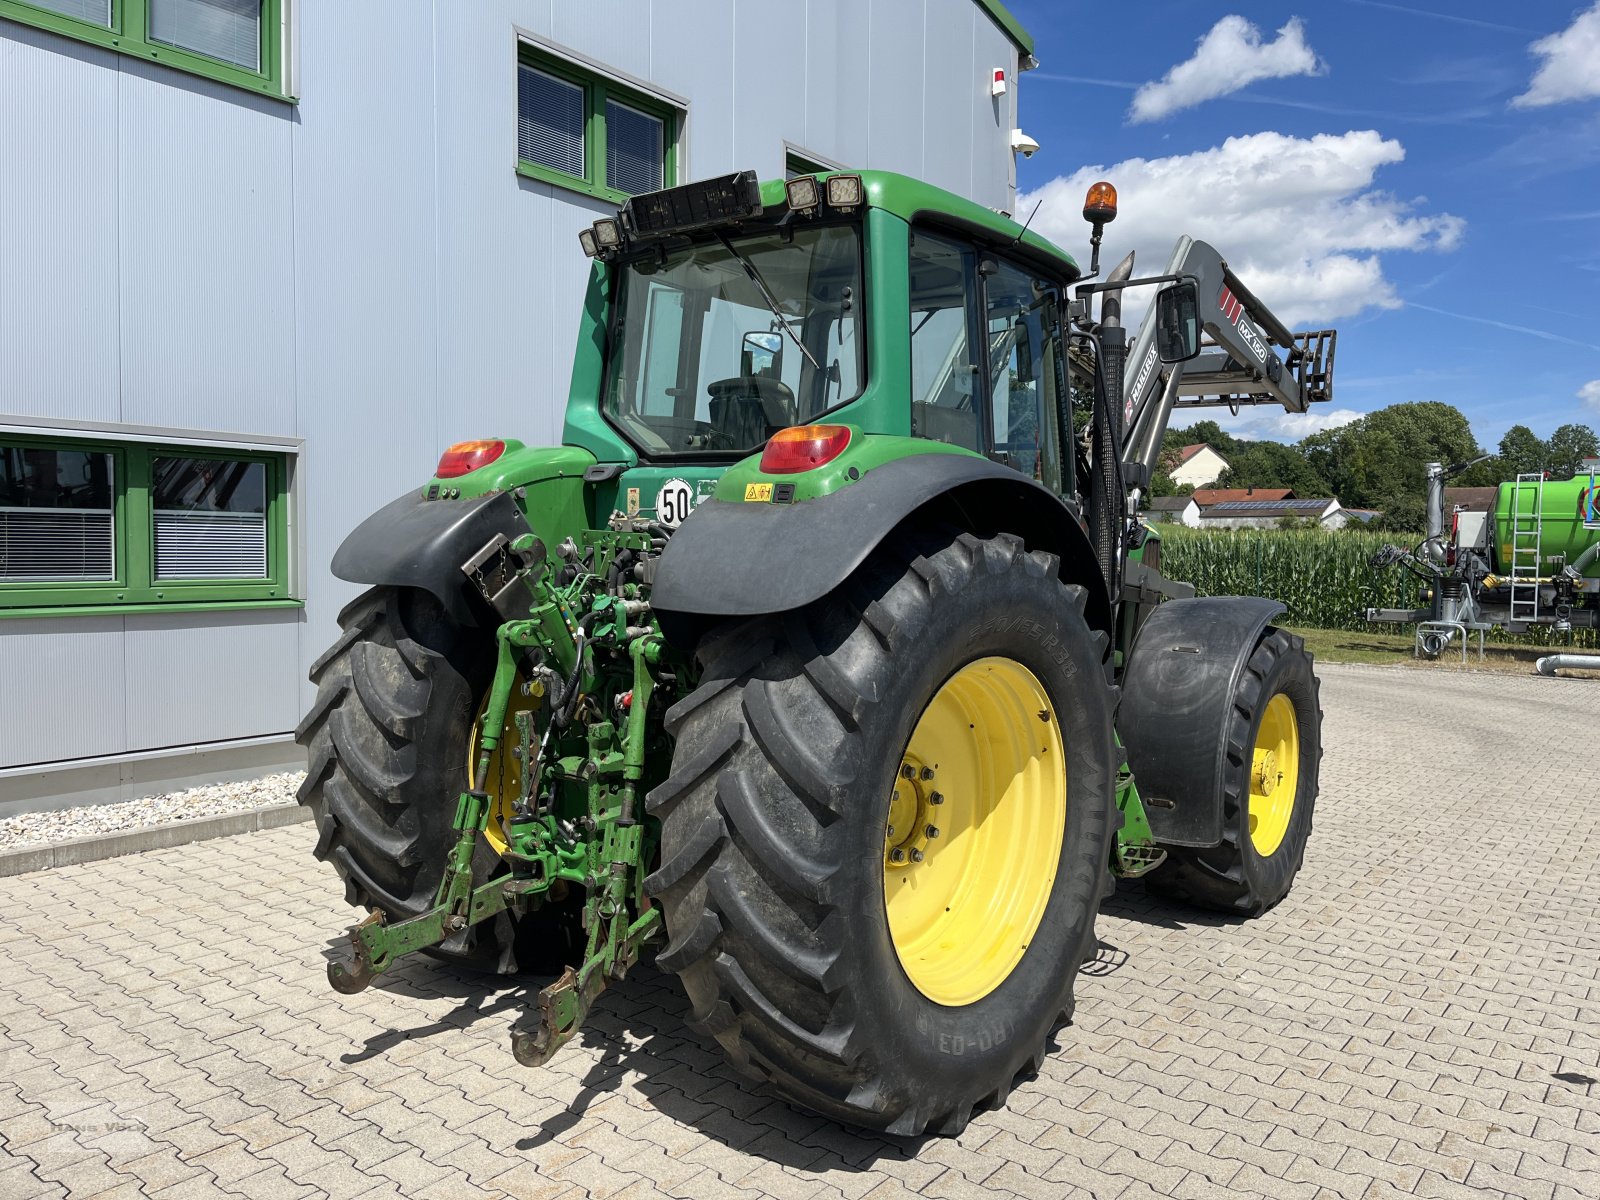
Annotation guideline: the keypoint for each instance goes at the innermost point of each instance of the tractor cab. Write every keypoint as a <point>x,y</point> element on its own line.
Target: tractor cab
<point>733,309</point>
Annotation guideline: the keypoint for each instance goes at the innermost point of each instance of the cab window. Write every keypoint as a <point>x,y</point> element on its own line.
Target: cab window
<point>1023,344</point>
<point>945,378</point>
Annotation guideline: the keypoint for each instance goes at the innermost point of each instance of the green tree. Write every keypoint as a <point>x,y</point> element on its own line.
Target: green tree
<point>1377,462</point>
<point>1274,465</point>
<point>1569,446</point>
<point>1522,452</point>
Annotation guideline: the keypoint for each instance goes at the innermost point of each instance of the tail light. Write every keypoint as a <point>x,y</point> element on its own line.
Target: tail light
<point>803,448</point>
<point>468,456</point>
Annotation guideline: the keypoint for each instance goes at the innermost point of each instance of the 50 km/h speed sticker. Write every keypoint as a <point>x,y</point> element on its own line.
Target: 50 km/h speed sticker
<point>674,501</point>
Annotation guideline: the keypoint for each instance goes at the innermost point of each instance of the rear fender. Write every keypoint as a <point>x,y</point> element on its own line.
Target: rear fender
<point>416,542</point>
<point>1177,695</point>
<point>733,559</point>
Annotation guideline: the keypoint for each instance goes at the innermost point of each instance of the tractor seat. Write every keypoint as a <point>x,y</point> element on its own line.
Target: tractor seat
<point>751,408</point>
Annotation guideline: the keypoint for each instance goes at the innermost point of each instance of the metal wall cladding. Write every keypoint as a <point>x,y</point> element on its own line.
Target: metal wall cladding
<point>206,677</point>
<point>59,337</point>
<point>63,695</point>
<point>206,254</point>
<point>365,270</point>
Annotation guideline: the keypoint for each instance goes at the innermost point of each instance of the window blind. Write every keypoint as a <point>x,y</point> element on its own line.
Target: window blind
<point>550,118</point>
<point>635,149</point>
<point>97,12</point>
<point>56,545</point>
<point>229,30</point>
<point>210,545</point>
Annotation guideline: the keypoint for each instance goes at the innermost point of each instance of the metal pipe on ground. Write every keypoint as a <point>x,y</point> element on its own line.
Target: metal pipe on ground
<point>1551,663</point>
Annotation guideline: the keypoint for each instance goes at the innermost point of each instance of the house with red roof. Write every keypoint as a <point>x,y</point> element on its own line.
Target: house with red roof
<point>1206,497</point>
<point>1198,465</point>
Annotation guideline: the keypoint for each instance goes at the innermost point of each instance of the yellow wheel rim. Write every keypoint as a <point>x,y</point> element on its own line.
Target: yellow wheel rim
<point>504,783</point>
<point>1274,775</point>
<point>974,831</point>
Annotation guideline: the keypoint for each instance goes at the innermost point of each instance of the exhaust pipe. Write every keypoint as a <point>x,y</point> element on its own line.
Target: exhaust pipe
<point>1550,663</point>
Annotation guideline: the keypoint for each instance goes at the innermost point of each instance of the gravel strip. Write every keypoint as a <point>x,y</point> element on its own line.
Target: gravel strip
<point>42,828</point>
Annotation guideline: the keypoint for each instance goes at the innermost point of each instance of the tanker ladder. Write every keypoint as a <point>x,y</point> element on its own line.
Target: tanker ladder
<point>1527,538</point>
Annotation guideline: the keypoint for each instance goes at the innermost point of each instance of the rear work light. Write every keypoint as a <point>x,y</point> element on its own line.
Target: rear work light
<point>468,456</point>
<point>803,448</point>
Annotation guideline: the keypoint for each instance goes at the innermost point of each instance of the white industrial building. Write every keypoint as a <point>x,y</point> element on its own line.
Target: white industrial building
<point>263,259</point>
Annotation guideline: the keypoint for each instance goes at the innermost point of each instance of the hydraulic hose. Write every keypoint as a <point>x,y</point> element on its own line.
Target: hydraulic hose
<point>1109,497</point>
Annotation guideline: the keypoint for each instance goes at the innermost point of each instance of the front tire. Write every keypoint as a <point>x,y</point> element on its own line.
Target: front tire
<point>1274,741</point>
<point>776,852</point>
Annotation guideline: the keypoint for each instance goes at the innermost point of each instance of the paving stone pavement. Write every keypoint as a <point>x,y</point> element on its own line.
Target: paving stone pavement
<point>1420,1018</point>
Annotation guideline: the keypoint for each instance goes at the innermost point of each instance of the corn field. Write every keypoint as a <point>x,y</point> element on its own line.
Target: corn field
<point>1321,575</point>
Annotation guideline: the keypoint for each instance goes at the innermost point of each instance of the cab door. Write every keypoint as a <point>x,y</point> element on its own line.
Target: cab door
<point>1025,376</point>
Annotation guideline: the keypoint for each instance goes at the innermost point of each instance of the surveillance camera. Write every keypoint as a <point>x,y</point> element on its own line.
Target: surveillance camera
<point>1024,143</point>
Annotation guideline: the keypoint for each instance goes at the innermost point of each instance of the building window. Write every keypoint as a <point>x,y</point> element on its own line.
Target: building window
<point>795,164</point>
<point>239,42</point>
<point>91,526</point>
<point>580,130</point>
<point>209,518</point>
<point>57,520</point>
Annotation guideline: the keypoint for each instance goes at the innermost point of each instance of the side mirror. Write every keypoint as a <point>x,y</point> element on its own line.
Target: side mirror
<point>760,353</point>
<point>1177,322</point>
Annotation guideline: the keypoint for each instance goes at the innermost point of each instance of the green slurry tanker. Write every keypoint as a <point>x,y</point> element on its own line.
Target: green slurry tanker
<point>826,659</point>
<point>1532,560</point>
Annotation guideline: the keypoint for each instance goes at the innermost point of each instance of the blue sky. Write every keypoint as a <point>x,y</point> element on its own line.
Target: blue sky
<point>1424,177</point>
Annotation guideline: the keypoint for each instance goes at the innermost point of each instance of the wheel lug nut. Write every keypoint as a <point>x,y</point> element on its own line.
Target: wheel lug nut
<point>891,831</point>
<point>897,855</point>
<point>932,831</point>
<point>935,797</point>
<point>916,856</point>
<point>907,771</point>
<point>927,772</point>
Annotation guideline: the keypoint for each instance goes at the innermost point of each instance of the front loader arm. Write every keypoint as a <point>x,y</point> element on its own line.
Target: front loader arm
<point>1239,363</point>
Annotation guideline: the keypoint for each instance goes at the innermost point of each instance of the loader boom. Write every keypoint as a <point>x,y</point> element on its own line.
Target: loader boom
<point>1239,362</point>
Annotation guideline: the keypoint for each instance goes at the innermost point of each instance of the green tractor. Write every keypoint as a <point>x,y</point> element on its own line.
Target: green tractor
<point>827,658</point>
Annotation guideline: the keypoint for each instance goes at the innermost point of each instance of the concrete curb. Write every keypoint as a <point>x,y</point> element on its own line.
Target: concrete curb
<point>152,837</point>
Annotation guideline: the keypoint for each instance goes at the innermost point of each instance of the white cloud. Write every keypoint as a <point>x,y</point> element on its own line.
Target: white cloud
<point>1589,393</point>
<point>1272,424</point>
<point>1228,58</point>
<point>1298,219</point>
<point>1571,66</point>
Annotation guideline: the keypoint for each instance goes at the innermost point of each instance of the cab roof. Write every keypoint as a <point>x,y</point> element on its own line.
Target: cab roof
<point>913,200</point>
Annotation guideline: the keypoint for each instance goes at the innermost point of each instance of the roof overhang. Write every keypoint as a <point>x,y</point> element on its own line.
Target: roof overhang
<point>1010,26</point>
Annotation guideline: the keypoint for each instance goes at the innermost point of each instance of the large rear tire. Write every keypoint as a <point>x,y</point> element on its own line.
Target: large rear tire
<point>778,872</point>
<point>1274,746</point>
<point>387,744</point>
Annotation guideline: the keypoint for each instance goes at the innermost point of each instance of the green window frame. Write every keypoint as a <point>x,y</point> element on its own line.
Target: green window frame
<point>130,32</point>
<point>598,90</point>
<point>134,587</point>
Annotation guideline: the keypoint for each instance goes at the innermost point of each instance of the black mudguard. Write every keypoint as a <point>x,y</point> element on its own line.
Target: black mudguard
<point>732,559</point>
<point>421,543</point>
<point>1177,692</point>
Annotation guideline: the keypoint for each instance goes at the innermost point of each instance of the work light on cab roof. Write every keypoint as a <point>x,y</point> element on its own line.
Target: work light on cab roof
<point>802,193</point>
